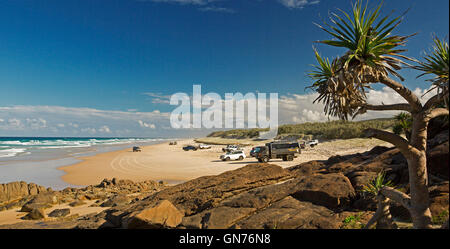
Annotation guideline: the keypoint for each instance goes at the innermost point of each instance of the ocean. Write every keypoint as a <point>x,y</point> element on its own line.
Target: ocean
<point>36,159</point>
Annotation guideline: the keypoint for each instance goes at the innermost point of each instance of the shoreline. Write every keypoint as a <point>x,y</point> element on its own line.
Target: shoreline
<point>44,169</point>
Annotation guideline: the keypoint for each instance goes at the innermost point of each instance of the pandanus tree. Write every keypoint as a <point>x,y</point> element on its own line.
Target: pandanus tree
<point>374,55</point>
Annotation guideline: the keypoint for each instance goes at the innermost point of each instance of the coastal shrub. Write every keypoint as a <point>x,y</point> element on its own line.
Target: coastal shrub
<point>321,130</point>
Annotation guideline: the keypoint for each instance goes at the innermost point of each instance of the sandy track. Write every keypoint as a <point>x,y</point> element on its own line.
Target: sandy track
<point>173,165</point>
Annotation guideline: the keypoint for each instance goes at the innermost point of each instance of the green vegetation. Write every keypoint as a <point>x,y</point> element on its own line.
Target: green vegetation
<point>321,130</point>
<point>440,218</point>
<point>377,184</point>
<point>353,222</point>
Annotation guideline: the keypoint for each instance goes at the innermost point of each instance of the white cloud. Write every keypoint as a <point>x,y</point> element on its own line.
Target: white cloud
<point>146,125</point>
<point>158,98</point>
<point>104,129</point>
<point>296,108</point>
<point>185,2</point>
<point>71,121</point>
<point>297,4</point>
<point>217,9</point>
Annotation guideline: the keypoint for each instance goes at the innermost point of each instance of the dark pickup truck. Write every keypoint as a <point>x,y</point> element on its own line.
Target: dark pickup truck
<point>283,150</point>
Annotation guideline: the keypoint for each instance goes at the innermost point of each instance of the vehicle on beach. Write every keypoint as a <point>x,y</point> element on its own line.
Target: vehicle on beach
<point>233,155</point>
<point>283,150</point>
<point>255,151</point>
<point>137,149</point>
<point>204,146</point>
<point>230,148</point>
<point>312,143</point>
<point>189,147</point>
<point>173,143</point>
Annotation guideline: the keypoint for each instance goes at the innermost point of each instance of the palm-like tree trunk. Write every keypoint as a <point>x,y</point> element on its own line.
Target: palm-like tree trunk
<point>413,150</point>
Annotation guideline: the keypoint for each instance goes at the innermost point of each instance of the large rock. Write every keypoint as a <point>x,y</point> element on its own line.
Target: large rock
<point>439,200</point>
<point>290,213</point>
<point>307,168</point>
<point>162,215</point>
<point>35,214</point>
<point>359,179</point>
<point>41,201</point>
<point>16,190</point>
<point>438,160</point>
<point>330,190</point>
<point>116,200</point>
<point>59,212</point>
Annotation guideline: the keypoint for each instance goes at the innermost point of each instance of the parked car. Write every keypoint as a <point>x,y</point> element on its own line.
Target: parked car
<point>204,146</point>
<point>189,147</point>
<point>137,149</point>
<point>230,148</point>
<point>233,155</point>
<point>312,143</point>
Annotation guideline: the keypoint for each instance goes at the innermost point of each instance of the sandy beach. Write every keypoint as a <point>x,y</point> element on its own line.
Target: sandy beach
<point>164,162</point>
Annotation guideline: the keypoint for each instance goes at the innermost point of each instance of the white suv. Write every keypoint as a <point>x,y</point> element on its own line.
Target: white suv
<point>204,146</point>
<point>233,155</point>
<point>230,148</point>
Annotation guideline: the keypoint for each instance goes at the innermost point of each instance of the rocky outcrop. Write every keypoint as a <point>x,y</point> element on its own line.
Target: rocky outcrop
<point>16,190</point>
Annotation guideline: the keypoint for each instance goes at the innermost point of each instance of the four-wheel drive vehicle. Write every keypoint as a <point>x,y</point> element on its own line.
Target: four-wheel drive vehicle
<point>189,147</point>
<point>312,143</point>
<point>137,149</point>
<point>230,148</point>
<point>284,150</point>
<point>255,151</point>
<point>234,155</point>
<point>204,146</point>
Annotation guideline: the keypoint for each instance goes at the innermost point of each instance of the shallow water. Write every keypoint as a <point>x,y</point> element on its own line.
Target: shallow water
<point>37,159</point>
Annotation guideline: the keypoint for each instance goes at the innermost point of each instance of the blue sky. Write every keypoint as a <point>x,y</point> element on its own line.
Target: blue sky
<point>120,55</point>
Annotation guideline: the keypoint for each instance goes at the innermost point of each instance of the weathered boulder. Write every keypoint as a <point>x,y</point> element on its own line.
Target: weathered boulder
<point>359,179</point>
<point>116,200</point>
<point>290,213</point>
<point>16,190</point>
<point>59,212</point>
<point>438,160</point>
<point>307,168</point>
<point>329,190</point>
<point>41,201</point>
<point>162,215</point>
<point>77,203</point>
<point>35,214</point>
<point>439,200</point>
<point>31,206</point>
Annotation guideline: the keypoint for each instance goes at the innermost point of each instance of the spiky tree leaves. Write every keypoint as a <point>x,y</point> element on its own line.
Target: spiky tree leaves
<point>373,52</point>
<point>436,64</point>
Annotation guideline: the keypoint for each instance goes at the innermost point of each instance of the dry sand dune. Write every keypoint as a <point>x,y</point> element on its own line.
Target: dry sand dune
<point>173,165</point>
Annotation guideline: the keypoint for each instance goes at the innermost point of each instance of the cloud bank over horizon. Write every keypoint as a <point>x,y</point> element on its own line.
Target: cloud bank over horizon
<point>90,122</point>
